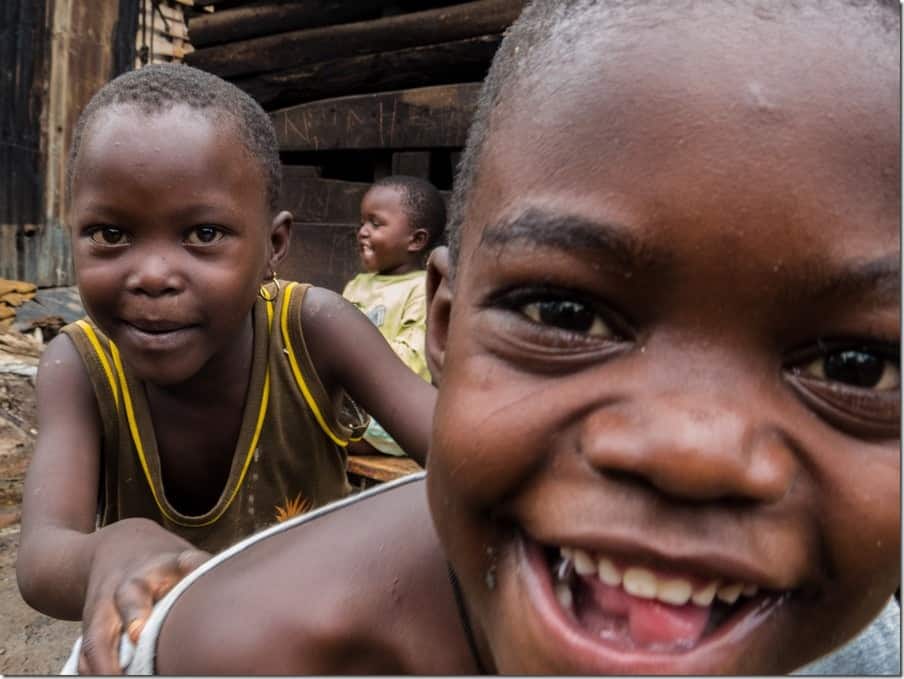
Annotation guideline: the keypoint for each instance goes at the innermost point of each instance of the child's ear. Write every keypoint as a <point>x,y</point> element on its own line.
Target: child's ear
<point>418,240</point>
<point>439,308</point>
<point>280,236</point>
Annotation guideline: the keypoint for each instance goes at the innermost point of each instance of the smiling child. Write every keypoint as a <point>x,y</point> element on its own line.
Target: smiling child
<point>402,220</point>
<point>204,399</point>
<point>666,342</point>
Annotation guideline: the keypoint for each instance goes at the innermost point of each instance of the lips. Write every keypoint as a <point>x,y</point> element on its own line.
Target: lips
<point>154,334</point>
<point>157,326</point>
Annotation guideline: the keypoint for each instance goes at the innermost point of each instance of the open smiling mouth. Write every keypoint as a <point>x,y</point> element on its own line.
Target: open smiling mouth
<point>633,607</point>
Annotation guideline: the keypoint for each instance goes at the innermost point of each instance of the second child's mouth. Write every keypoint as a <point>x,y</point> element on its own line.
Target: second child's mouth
<point>632,607</point>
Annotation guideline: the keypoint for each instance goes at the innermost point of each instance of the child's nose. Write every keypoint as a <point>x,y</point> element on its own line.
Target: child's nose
<point>154,275</point>
<point>692,450</point>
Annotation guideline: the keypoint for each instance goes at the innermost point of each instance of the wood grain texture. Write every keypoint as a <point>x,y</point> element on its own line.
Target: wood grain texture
<point>406,119</point>
<point>293,48</point>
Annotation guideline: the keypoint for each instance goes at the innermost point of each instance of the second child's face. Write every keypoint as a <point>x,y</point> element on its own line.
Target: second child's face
<point>672,353</point>
<point>169,230</point>
<point>385,234</point>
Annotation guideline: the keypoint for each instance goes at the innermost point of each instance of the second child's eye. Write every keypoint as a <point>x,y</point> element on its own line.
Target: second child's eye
<point>859,368</point>
<point>569,315</point>
<point>203,235</point>
<point>108,236</point>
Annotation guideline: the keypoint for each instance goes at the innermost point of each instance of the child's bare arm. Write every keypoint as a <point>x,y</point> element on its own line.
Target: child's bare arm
<point>350,354</point>
<point>65,568</point>
<point>341,594</point>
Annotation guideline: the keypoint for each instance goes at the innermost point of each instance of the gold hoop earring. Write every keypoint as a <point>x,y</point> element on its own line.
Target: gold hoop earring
<point>264,294</point>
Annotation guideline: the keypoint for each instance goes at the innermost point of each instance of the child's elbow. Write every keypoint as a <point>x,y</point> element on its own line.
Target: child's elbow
<point>28,578</point>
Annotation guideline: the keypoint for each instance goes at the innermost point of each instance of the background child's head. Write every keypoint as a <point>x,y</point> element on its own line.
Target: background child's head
<point>669,349</point>
<point>174,181</point>
<point>402,219</point>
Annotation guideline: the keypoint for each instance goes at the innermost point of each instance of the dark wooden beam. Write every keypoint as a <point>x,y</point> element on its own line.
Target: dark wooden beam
<point>322,254</point>
<point>251,21</point>
<point>311,199</point>
<point>448,62</point>
<point>412,163</point>
<point>407,119</point>
<point>273,52</point>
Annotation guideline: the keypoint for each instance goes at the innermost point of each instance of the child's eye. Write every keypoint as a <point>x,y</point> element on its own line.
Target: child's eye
<point>860,368</point>
<point>856,387</point>
<point>108,236</point>
<point>570,315</point>
<point>203,235</point>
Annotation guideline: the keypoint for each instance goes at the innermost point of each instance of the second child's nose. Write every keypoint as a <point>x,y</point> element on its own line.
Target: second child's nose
<point>154,275</point>
<point>691,450</point>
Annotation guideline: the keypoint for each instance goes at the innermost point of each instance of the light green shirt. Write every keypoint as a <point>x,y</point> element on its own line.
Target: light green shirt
<point>397,305</point>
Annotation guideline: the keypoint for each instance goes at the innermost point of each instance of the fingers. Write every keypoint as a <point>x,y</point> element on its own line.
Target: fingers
<point>135,598</point>
<point>100,642</point>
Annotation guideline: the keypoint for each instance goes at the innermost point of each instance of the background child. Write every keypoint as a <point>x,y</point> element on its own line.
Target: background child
<point>205,399</point>
<point>402,219</point>
<point>667,438</point>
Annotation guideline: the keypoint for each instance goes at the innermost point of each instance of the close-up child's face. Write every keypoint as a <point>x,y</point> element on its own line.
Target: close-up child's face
<point>385,231</point>
<point>169,235</point>
<point>672,351</point>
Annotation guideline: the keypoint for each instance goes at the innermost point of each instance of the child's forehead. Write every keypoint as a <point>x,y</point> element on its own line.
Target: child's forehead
<point>668,128</point>
<point>144,122</point>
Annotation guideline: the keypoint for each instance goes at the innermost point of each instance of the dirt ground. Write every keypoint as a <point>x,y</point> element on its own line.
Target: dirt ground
<point>30,643</point>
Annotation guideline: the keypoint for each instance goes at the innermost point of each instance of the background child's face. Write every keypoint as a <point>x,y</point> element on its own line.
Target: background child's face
<point>169,232</point>
<point>385,234</point>
<point>674,346</point>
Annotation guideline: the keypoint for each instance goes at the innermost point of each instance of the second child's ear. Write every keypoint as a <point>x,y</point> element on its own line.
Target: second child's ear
<point>280,236</point>
<point>418,240</point>
<point>439,309</point>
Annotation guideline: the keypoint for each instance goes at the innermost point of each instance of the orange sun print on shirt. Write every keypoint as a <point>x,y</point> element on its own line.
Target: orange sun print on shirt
<point>294,507</point>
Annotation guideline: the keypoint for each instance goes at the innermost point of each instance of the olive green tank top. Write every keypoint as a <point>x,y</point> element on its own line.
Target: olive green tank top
<point>290,455</point>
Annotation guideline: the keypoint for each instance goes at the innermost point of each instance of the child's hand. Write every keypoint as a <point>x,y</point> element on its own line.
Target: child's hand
<point>121,600</point>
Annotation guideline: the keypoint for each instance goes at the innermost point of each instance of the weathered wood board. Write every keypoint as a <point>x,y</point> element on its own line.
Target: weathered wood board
<point>251,21</point>
<point>412,163</point>
<point>406,119</point>
<point>448,62</point>
<point>284,50</point>
<point>322,254</point>
<point>312,199</point>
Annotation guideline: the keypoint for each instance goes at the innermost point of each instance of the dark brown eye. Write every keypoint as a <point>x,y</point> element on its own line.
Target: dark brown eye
<point>108,235</point>
<point>569,315</point>
<point>860,368</point>
<point>204,235</point>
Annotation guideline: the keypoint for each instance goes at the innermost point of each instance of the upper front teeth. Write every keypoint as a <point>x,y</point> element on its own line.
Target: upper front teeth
<point>645,584</point>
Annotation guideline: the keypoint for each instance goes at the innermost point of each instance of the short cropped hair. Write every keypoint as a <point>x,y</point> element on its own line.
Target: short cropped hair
<point>158,87</point>
<point>524,51</point>
<point>423,204</point>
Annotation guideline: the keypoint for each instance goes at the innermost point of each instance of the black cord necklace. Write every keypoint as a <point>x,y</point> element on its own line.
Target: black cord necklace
<point>465,620</point>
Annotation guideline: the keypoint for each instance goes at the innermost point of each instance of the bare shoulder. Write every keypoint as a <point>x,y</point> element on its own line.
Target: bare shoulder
<point>359,590</point>
<point>330,323</point>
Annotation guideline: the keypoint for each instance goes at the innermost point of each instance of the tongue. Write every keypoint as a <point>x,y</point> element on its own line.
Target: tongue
<point>651,623</point>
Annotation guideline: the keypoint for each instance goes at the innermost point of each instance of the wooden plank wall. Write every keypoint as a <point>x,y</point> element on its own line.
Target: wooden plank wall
<point>358,89</point>
<point>23,34</point>
<point>60,52</point>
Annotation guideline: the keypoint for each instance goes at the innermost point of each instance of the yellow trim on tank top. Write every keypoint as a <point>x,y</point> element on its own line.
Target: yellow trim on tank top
<point>104,363</point>
<point>296,371</point>
<point>136,438</point>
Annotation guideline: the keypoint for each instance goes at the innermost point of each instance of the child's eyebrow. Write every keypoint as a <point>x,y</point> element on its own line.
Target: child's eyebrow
<point>880,277</point>
<point>574,233</point>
